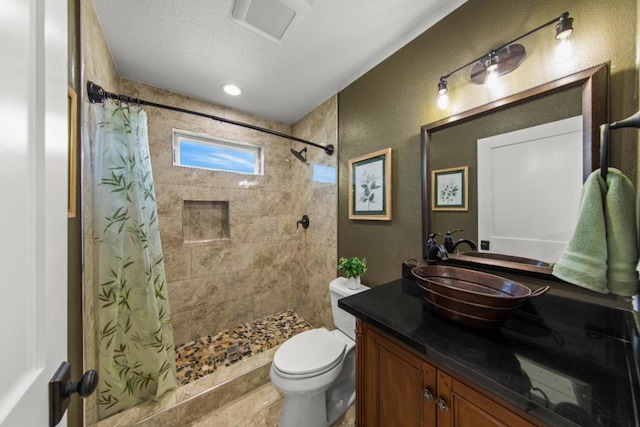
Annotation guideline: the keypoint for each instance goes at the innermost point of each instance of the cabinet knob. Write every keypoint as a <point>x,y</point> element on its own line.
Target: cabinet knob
<point>442,405</point>
<point>426,393</point>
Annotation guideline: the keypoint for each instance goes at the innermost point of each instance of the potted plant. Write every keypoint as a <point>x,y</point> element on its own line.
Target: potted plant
<point>353,268</point>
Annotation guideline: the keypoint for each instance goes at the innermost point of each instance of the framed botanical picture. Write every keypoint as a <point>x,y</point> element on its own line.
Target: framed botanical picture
<point>370,195</point>
<point>449,191</point>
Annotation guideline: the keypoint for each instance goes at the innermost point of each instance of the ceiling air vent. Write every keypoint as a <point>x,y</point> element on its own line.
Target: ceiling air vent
<point>268,18</point>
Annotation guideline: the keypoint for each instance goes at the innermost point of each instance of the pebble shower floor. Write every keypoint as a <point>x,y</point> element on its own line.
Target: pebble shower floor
<point>205,355</point>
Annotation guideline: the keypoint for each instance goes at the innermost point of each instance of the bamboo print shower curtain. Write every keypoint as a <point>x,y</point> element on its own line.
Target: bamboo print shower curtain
<point>135,341</point>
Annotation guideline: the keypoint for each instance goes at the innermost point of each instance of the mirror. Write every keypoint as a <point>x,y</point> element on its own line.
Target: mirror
<point>452,142</point>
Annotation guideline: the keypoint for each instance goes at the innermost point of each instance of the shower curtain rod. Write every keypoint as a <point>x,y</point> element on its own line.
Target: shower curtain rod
<point>97,95</point>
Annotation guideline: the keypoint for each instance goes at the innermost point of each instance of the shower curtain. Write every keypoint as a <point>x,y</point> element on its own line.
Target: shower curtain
<point>136,359</point>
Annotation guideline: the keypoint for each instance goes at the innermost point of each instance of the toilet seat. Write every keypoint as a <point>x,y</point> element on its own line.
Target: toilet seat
<point>309,354</point>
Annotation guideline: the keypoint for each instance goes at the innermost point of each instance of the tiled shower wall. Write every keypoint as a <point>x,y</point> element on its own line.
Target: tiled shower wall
<point>221,283</point>
<point>266,265</point>
<point>315,265</point>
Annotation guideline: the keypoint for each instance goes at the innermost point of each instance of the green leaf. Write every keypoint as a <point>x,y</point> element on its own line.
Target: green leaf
<point>109,328</point>
<point>352,267</point>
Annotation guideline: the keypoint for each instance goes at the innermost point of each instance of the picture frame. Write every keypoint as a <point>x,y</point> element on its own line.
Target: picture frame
<point>72,153</point>
<point>370,186</point>
<point>450,189</point>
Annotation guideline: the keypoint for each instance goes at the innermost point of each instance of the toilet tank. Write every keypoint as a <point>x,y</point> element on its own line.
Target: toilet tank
<point>343,320</point>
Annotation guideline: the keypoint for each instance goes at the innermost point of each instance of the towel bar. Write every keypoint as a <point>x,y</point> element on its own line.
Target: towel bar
<point>630,122</point>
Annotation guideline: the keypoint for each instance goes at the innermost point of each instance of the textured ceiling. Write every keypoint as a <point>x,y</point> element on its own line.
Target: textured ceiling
<point>192,47</point>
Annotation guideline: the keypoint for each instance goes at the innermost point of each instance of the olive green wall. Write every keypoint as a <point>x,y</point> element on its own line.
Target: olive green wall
<point>387,106</point>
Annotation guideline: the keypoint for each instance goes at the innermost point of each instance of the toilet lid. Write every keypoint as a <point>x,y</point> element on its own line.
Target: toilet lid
<point>308,352</point>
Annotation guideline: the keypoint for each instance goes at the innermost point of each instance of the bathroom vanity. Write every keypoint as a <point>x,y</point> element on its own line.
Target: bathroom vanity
<point>555,361</point>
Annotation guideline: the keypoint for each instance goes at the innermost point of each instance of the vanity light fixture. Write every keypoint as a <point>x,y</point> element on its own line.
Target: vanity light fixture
<point>231,89</point>
<point>491,70</point>
<point>564,27</point>
<point>443,97</point>
<point>504,59</point>
<point>442,86</point>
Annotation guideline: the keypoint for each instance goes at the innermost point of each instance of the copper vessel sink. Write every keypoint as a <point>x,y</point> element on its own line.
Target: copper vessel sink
<point>470,297</point>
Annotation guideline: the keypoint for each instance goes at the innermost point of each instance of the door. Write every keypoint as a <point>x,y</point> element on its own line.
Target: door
<point>535,220</point>
<point>33,206</point>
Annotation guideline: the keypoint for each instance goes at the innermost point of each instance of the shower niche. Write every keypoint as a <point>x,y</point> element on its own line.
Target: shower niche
<point>205,221</point>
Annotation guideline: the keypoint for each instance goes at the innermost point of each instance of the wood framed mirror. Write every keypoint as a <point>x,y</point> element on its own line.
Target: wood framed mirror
<point>453,142</point>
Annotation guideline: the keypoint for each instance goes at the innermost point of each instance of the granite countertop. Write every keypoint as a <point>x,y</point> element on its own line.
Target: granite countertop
<point>566,362</point>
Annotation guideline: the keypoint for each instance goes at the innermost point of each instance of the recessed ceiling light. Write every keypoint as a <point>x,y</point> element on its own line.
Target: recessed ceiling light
<point>231,89</point>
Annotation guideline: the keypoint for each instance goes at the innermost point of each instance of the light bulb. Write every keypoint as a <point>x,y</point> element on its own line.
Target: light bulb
<point>565,34</point>
<point>492,79</point>
<point>563,51</point>
<point>443,101</point>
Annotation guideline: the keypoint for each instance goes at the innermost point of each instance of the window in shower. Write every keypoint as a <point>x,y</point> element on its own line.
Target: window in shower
<point>325,174</point>
<point>202,151</point>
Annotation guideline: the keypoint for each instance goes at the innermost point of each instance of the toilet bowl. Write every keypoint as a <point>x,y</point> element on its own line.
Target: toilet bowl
<point>315,370</point>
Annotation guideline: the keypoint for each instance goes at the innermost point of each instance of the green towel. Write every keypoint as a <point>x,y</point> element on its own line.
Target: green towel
<point>584,261</point>
<point>602,254</point>
<point>620,217</point>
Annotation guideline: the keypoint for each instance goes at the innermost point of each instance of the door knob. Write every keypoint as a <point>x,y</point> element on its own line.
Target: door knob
<point>61,388</point>
<point>85,386</point>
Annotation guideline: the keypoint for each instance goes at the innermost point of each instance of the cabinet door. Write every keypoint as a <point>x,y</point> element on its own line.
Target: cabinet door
<point>395,387</point>
<point>400,389</point>
<point>470,408</point>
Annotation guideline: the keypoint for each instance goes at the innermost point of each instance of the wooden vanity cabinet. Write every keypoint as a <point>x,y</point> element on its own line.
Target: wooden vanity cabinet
<point>395,386</point>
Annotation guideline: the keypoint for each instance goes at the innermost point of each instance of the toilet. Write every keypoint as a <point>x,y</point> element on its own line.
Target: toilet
<point>315,370</point>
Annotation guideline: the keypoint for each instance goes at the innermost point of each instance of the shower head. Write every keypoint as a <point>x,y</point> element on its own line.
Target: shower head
<point>300,155</point>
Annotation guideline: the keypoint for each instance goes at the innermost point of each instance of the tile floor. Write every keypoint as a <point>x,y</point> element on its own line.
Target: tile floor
<point>260,407</point>
<point>198,401</point>
<point>205,355</point>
